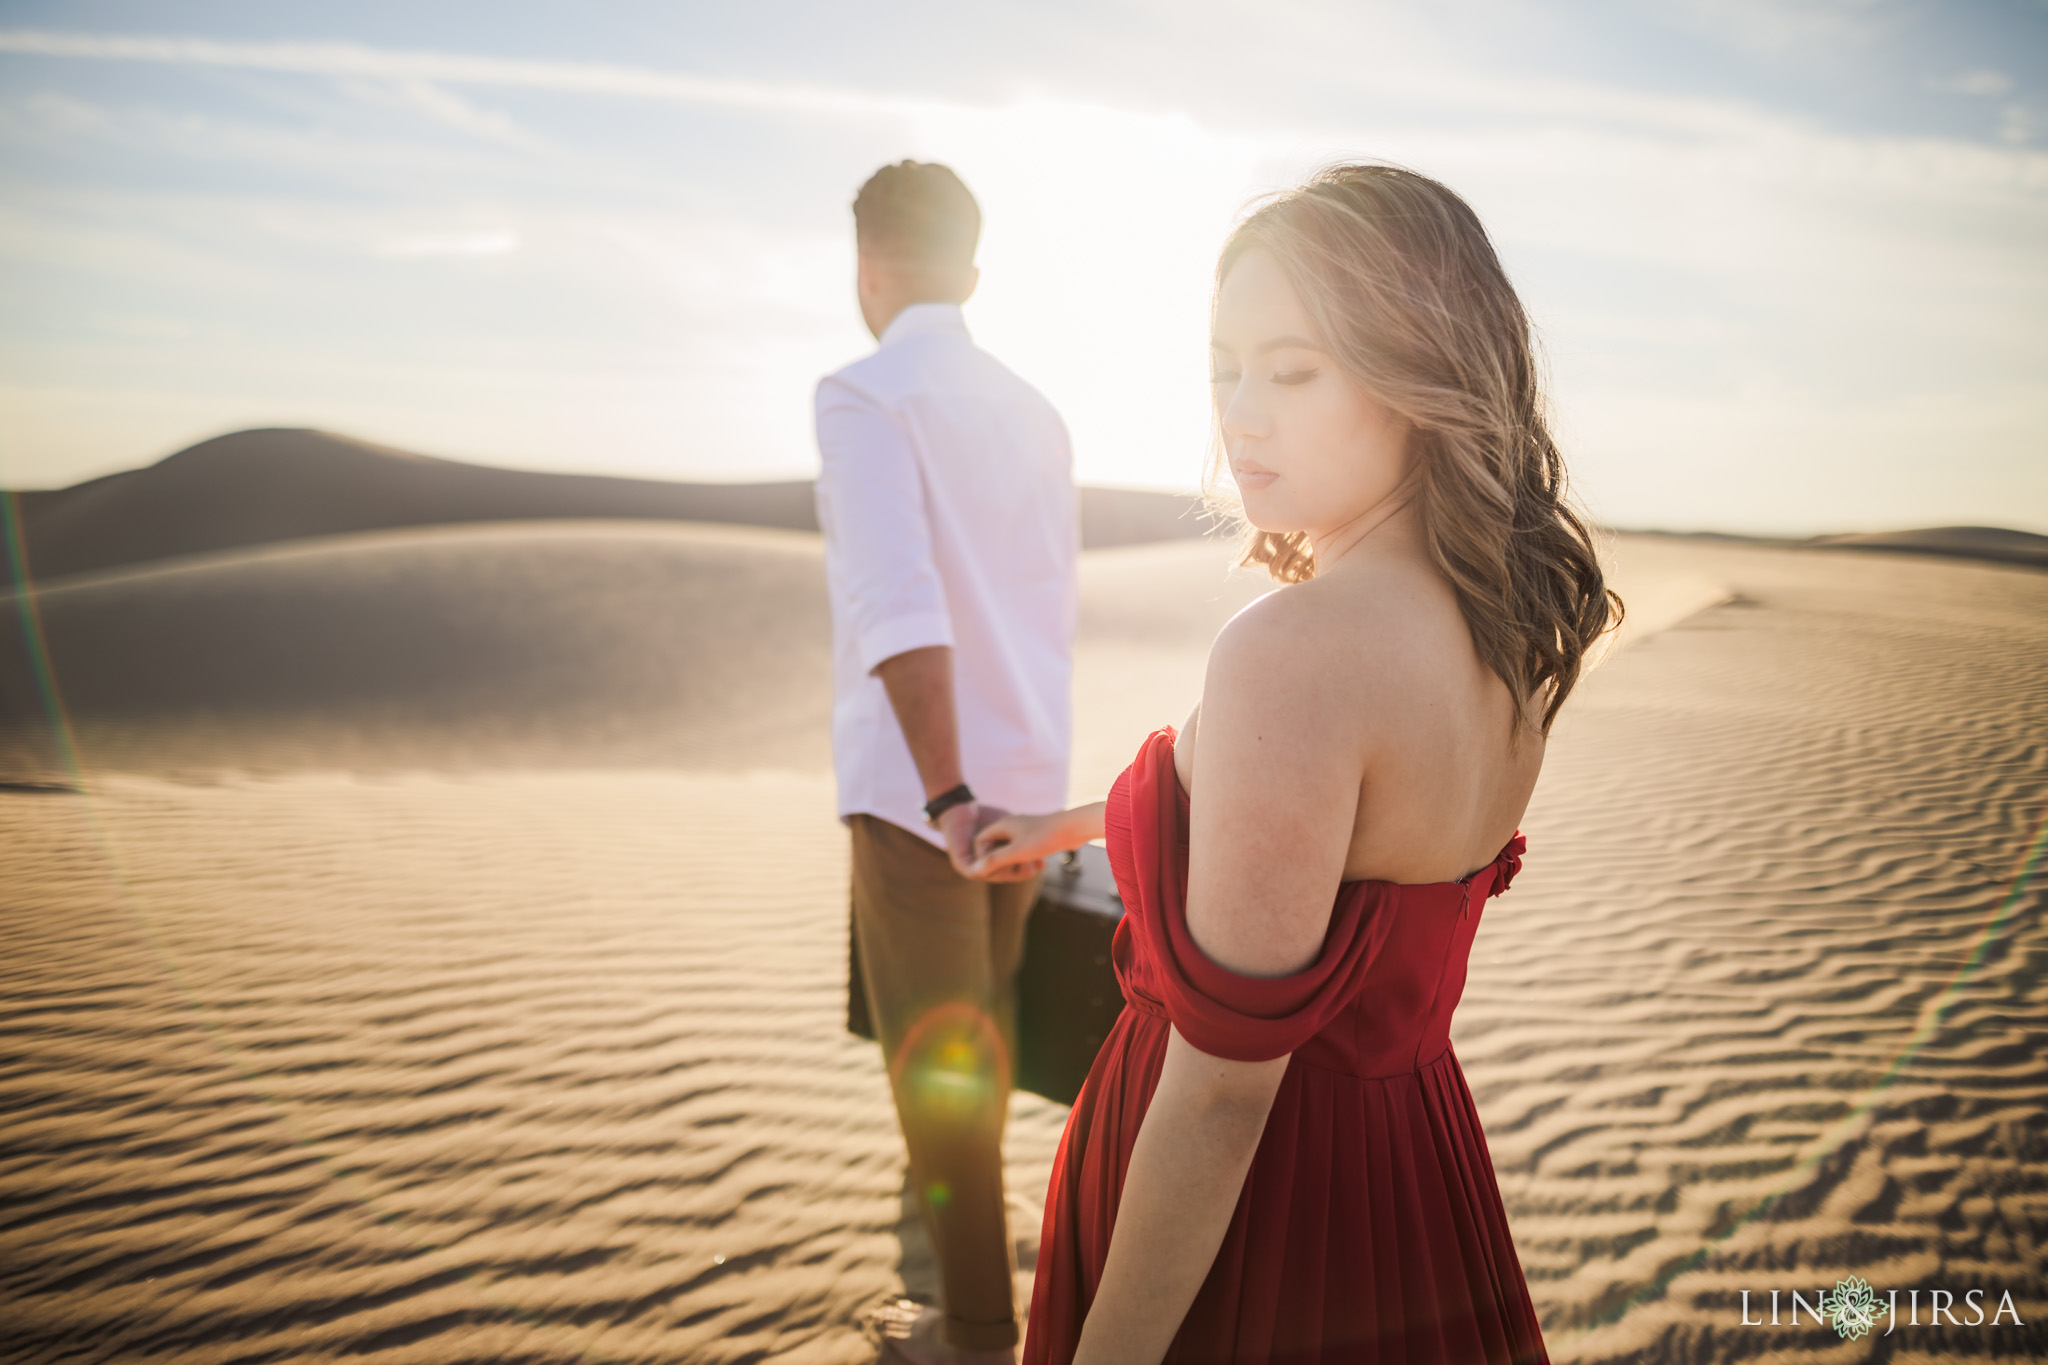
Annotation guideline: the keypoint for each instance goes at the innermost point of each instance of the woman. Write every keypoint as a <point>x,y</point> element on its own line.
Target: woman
<point>1276,1157</point>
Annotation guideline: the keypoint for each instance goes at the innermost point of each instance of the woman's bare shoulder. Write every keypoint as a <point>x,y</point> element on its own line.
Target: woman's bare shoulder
<point>1354,636</point>
<point>1280,688</point>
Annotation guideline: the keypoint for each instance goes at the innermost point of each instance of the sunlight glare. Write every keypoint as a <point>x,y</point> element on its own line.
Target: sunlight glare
<point>1100,296</point>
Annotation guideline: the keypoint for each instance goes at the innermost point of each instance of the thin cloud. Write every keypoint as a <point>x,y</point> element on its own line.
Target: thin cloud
<point>443,107</point>
<point>1983,83</point>
<point>1441,88</point>
<point>496,243</point>
<point>1776,27</point>
<point>416,75</point>
<point>361,62</point>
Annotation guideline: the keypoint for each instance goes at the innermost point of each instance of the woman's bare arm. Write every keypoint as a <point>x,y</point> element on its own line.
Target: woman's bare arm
<point>1272,817</point>
<point>1187,1167</point>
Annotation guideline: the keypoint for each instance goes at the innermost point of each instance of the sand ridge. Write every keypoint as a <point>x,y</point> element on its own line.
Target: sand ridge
<point>640,644</point>
<point>274,485</point>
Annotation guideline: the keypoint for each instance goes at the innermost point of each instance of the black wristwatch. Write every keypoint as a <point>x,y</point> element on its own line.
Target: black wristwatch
<point>944,802</point>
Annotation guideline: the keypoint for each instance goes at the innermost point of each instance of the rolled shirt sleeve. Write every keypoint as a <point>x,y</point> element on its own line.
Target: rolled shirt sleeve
<point>878,542</point>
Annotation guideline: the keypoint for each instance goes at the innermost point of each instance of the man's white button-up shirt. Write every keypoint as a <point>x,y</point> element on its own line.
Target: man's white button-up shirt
<point>947,501</point>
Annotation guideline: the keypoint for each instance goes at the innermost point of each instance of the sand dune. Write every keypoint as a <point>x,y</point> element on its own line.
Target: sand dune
<point>1990,544</point>
<point>629,643</point>
<point>583,644</point>
<point>445,1025</point>
<point>258,487</point>
<point>267,486</point>
<point>1995,543</point>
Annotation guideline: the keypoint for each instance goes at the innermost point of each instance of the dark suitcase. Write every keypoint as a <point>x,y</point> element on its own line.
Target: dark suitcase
<point>1067,996</point>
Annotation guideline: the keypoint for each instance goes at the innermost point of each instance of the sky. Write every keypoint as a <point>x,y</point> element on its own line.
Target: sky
<point>1788,261</point>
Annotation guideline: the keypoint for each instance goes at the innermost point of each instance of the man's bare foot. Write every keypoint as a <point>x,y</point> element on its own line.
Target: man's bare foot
<point>915,1333</point>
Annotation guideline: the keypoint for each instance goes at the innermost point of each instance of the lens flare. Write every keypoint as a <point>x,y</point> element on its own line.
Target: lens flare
<point>952,1064</point>
<point>31,615</point>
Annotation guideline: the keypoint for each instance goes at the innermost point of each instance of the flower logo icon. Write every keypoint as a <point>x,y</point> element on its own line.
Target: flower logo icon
<point>1853,1306</point>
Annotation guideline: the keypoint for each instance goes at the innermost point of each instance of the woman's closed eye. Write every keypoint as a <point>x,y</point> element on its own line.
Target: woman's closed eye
<point>1289,377</point>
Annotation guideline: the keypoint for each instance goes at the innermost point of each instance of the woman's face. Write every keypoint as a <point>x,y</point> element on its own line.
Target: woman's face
<point>1310,450</point>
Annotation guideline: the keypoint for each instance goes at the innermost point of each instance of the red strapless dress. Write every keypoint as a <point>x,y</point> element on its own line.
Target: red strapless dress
<point>1370,1228</point>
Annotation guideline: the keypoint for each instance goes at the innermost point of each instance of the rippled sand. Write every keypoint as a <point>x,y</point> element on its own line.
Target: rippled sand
<point>546,1064</point>
<point>1766,1009</point>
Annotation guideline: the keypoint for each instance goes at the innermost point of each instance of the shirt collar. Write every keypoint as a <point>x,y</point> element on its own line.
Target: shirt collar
<point>921,318</point>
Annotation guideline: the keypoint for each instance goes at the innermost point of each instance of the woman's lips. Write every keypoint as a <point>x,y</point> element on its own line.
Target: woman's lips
<point>1250,476</point>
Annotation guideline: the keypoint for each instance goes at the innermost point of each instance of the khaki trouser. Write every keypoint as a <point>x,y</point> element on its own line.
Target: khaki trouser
<point>939,953</point>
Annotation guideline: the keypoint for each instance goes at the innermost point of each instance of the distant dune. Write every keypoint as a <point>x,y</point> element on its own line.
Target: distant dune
<point>1994,543</point>
<point>1990,544</point>
<point>262,487</point>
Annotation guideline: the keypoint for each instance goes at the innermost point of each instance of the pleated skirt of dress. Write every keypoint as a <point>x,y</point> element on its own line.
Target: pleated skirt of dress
<point>1370,1229</point>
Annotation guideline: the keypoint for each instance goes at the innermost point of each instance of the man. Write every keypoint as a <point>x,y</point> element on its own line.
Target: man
<point>947,502</point>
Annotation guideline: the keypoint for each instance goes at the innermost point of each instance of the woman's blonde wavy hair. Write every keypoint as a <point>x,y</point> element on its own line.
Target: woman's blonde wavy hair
<point>1403,284</point>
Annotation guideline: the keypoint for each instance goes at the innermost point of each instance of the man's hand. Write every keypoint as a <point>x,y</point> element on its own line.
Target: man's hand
<point>961,824</point>
<point>920,687</point>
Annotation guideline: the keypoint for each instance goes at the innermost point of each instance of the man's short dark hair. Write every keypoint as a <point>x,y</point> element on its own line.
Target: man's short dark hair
<point>917,213</point>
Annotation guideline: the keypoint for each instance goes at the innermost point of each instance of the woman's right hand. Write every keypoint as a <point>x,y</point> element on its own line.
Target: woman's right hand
<point>1016,840</point>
